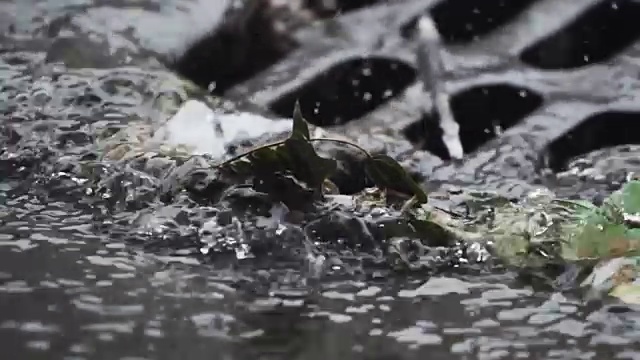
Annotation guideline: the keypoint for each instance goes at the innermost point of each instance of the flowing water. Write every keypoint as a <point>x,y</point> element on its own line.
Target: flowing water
<point>99,267</point>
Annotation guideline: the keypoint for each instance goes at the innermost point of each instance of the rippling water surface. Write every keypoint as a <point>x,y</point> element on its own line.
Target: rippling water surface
<point>87,279</point>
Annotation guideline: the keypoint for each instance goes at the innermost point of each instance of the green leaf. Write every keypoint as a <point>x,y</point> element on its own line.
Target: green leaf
<point>628,293</point>
<point>303,161</point>
<point>431,226</point>
<point>284,187</point>
<point>300,127</point>
<point>631,197</point>
<point>513,249</point>
<point>266,161</point>
<point>439,228</point>
<point>598,238</point>
<point>289,171</point>
<point>388,174</point>
<point>305,164</point>
<point>633,234</point>
<point>242,168</point>
<point>575,205</point>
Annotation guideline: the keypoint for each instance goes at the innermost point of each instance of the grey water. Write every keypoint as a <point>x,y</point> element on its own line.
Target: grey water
<point>76,281</point>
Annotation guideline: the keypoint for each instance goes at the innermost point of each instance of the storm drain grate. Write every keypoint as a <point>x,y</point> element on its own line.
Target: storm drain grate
<point>524,78</point>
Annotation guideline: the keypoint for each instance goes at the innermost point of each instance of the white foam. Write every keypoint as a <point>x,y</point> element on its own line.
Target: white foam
<point>204,131</point>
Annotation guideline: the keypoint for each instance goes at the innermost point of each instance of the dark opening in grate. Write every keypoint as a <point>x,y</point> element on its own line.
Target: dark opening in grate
<point>243,46</point>
<point>348,90</point>
<point>595,36</point>
<point>326,9</point>
<point>596,132</point>
<point>463,21</point>
<point>482,112</point>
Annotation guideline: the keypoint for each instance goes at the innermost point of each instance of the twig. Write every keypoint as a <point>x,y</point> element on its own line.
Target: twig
<point>431,69</point>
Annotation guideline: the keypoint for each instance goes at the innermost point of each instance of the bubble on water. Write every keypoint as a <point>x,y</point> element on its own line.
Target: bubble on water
<point>243,252</point>
<point>316,265</point>
<point>477,252</point>
<point>416,336</point>
<point>538,224</point>
<point>438,286</point>
<point>539,196</point>
<point>277,216</point>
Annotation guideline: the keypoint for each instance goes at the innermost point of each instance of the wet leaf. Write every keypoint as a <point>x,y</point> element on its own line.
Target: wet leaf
<point>242,167</point>
<point>598,240</point>
<point>514,249</point>
<point>300,156</point>
<point>601,233</point>
<point>306,164</point>
<point>633,234</point>
<point>628,293</point>
<point>284,187</point>
<point>477,201</point>
<point>622,246</point>
<point>389,174</point>
<point>292,162</point>
<point>433,233</point>
<point>267,159</point>
<point>631,197</point>
<point>370,198</point>
<point>300,127</point>
<point>575,205</point>
<point>328,187</point>
<point>437,227</point>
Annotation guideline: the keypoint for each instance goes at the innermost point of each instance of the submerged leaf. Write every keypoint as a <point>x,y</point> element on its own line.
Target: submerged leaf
<point>439,228</point>
<point>597,236</point>
<point>371,197</point>
<point>388,174</point>
<point>602,232</point>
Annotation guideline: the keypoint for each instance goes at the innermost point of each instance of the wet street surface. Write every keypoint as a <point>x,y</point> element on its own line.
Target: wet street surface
<point>92,299</point>
<point>95,265</point>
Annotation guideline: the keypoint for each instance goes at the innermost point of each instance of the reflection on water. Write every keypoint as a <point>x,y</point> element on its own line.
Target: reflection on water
<point>67,291</point>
